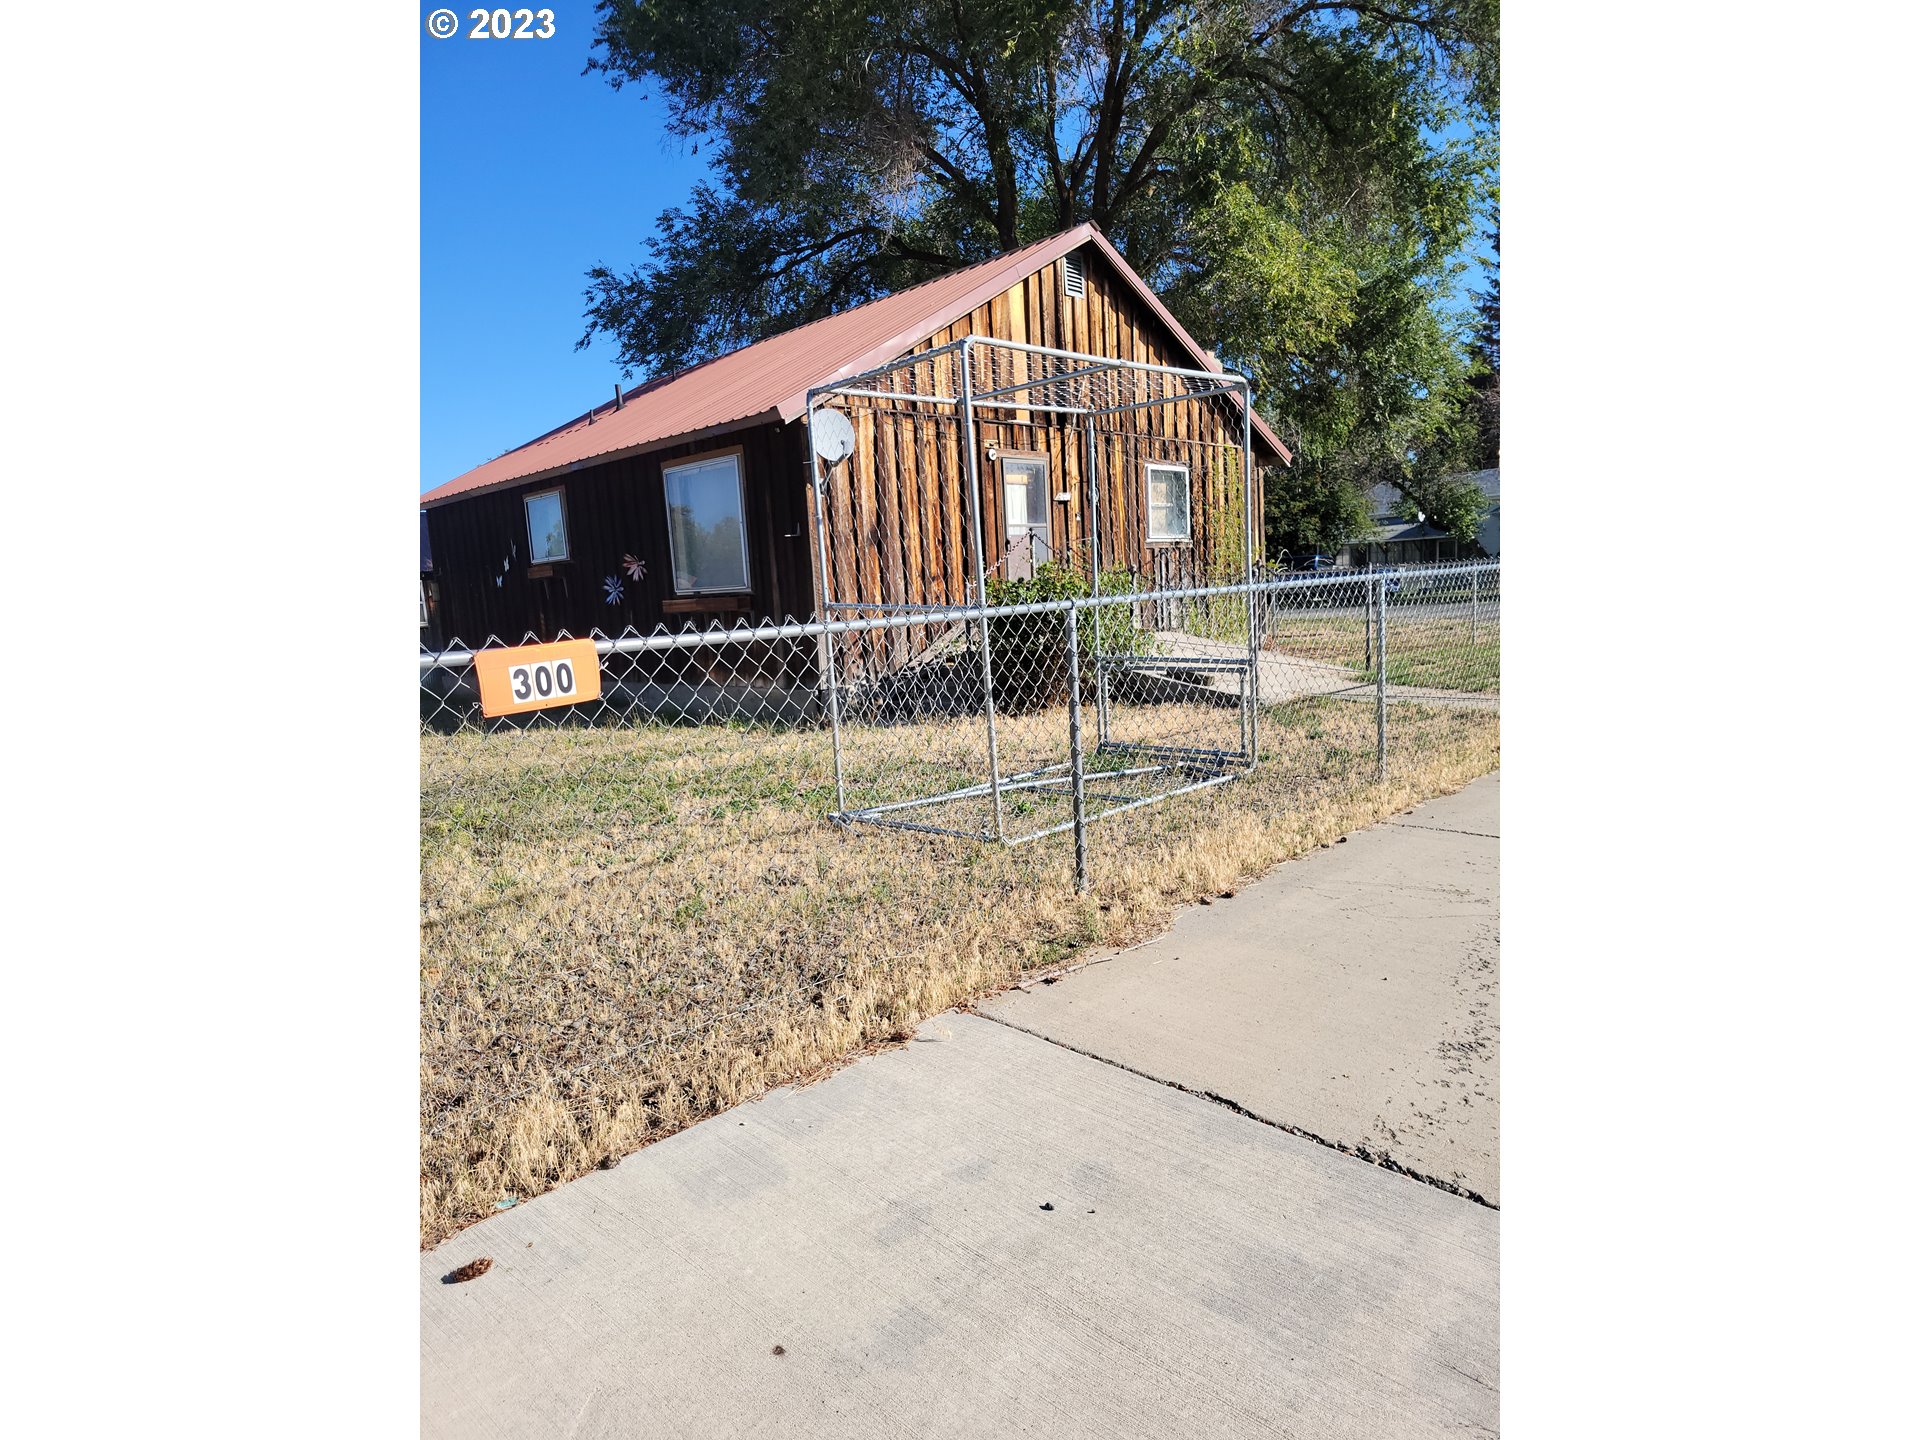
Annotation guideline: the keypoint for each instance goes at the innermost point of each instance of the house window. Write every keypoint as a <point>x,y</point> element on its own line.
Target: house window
<point>1168,515</point>
<point>706,525</point>
<point>1074,271</point>
<point>546,527</point>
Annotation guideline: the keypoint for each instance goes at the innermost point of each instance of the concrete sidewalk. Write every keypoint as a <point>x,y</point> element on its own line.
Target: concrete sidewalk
<point>1352,994</point>
<point>985,1233</point>
<point>1292,677</point>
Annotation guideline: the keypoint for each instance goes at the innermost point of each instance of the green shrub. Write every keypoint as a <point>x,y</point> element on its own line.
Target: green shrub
<point>1030,651</point>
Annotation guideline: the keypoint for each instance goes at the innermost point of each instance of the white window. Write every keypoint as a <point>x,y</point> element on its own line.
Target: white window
<point>1168,514</point>
<point>707,525</point>
<point>546,527</point>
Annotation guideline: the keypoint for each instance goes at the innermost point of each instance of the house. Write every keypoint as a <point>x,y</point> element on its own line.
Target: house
<point>689,499</point>
<point>1400,541</point>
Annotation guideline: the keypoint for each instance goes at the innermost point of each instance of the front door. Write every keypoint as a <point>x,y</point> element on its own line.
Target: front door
<point>1023,481</point>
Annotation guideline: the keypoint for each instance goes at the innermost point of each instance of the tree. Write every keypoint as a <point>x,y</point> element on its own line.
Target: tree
<point>1464,426</point>
<point>1315,513</point>
<point>1484,352</point>
<point>1269,166</point>
<point>1451,503</point>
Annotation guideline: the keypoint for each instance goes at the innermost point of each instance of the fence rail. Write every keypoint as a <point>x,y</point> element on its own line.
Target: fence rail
<point>1012,722</point>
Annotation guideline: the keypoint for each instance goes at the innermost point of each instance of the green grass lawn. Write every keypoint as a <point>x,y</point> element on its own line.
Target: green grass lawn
<point>1451,653</point>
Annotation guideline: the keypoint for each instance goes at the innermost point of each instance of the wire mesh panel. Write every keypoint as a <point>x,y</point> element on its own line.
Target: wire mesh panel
<point>1011,477</point>
<point>1441,670</point>
<point>1416,648</point>
<point>765,675</point>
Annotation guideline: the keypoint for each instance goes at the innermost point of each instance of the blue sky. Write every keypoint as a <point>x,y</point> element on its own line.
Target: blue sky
<point>530,174</point>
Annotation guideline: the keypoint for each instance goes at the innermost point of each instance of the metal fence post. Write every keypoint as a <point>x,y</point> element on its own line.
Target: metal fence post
<point>1473,622</point>
<point>1380,674</point>
<point>1093,533</point>
<point>980,583</point>
<point>829,663</point>
<point>1253,630</point>
<point>1076,747</point>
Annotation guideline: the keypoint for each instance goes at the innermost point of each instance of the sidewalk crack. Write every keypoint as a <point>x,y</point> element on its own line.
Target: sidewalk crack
<point>1357,1152</point>
<point>1442,829</point>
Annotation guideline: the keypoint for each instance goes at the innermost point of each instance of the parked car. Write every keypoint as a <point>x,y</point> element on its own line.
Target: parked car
<point>1309,597</point>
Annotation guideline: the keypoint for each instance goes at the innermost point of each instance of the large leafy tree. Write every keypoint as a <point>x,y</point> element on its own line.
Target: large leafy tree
<point>1465,430</point>
<point>1270,166</point>
<point>1483,351</point>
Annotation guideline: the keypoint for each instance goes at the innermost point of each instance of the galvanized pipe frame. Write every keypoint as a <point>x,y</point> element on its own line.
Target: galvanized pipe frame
<point>876,385</point>
<point>1217,383</point>
<point>971,451</point>
<point>1092,364</point>
<point>829,664</point>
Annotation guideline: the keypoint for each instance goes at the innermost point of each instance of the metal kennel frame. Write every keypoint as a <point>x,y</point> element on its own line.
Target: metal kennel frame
<point>980,380</point>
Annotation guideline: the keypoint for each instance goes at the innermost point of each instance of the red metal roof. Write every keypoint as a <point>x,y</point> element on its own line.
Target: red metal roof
<point>769,379</point>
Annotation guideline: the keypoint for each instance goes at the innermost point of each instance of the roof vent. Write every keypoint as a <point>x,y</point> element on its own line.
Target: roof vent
<point>1075,271</point>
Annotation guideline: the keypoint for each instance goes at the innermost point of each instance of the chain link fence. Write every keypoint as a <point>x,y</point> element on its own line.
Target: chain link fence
<point>1015,721</point>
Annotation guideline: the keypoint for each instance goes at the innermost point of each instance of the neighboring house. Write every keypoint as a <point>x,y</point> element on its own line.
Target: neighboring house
<point>688,499</point>
<point>1400,541</point>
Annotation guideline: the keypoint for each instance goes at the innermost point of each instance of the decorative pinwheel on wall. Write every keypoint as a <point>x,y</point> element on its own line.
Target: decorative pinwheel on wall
<point>636,569</point>
<point>615,594</point>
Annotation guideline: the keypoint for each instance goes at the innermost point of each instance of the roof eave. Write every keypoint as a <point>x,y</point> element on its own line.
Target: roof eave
<point>432,500</point>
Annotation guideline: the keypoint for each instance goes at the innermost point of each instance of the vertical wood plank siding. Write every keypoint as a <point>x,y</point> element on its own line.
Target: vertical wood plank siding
<point>615,509</point>
<point>912,451</point>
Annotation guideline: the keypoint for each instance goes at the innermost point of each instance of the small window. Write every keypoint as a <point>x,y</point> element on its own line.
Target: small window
<point>706,526</point>
<point>546,527</point>
<point>1074,271</point>
<point>1168,515</point>
<point>423,601</point>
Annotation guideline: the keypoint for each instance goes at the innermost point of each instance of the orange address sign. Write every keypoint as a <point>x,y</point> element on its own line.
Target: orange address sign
<point>537,677</point>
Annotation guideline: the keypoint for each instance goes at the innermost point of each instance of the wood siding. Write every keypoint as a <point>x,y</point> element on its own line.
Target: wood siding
<point>901,515</point>
<point>486,587</point>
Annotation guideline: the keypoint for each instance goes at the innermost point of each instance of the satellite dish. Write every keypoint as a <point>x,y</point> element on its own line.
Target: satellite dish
<point>832,436</point>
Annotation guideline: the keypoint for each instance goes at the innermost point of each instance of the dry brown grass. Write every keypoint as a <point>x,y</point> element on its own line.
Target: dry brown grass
<point>626,931</point>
